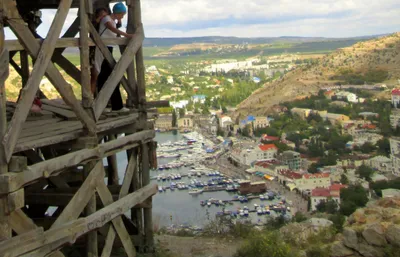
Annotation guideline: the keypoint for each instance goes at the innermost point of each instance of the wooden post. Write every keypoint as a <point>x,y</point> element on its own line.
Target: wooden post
<point>147,213</point>
<point>87,97</point>
<point>140,71</point>
<point>5,230</point>
<point>131,71</point>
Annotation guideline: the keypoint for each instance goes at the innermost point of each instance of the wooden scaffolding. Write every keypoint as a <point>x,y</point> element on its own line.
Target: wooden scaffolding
<point>54,189</point>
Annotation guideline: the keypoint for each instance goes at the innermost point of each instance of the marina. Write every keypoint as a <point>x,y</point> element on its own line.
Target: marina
<point>216,194</point>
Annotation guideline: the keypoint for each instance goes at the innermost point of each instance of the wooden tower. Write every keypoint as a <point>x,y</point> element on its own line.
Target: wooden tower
<point>54,189</point>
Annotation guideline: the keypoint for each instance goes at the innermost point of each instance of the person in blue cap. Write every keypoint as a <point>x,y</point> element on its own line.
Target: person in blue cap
<point>108,29</point>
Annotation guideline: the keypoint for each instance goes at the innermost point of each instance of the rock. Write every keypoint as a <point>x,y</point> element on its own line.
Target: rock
<point>358,217</point>
<point>367,250</point>
<point>393,234</point>
<point>350,238</point>
<point>338,249</point>
<point>374,234</point>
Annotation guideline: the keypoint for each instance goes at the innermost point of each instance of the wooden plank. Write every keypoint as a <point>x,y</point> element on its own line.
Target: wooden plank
<point>11,245</point>
<point>21,223</point>
<point>29,91</point>
<point>82,197</point>
<point>131,71</point>
<point>117,73</point>
<point>56,237</point>
<point>5,231</point>
<point>87,96</point>
<point>147,213</point>
<point>62,43</point>
<point>112,172</point>
<point>56,103</point>
<point>60,111</point>
<point>15,201</point>
<point>102,45</point>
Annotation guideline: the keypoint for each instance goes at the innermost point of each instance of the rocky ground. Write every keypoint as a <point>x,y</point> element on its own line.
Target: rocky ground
<point>196,246</point>
<point>371,231</point>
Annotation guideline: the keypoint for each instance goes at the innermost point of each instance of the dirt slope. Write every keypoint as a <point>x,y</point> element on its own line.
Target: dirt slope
<point>377,54</point>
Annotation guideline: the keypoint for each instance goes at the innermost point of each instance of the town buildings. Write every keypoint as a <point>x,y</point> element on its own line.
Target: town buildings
<point>292,159</point>
<point>382,164</point>
<point>199,99</point>
<point>251,154</point>
<point>321,194</point>
<point>248,187</point>
<point>395,118</point>
<point>310,181</point>
<point>331,117</point>
<point>270,167</point>
<point>347,96</point>
<point>164,122</point>
<point>261,122</point>
<point>185,122</point>
<point>395,155</point>
<point>396,98</point>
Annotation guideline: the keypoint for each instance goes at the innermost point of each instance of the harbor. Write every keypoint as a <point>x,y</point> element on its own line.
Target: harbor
<point>193,194</point>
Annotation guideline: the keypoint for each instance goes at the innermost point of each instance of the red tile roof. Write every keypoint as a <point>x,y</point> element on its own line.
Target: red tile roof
<point>290,174</point>
<point>396,91</point>
<point>337,187</point>
<point>316,175</point>
<point>267,147</point>
<point>322,192</point>
<point>266,164</point>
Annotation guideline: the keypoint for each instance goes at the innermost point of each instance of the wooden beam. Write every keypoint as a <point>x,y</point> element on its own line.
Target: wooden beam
<point>112,172</point>
<point>147,213</point>
<point>11,182</point>
<point>140,69</point>
<point>63,43</point>
<point>56,237</point>
<point>87,96</point>
<point>102,45</point>
<point>82,197</point>
<point>133,100</point>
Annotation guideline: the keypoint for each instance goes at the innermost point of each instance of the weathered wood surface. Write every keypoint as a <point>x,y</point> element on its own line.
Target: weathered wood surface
<point>14,181</point>
<point>56,237</point>
<point>28,93</point>
<point>15,45</point>
<point>87,96</point>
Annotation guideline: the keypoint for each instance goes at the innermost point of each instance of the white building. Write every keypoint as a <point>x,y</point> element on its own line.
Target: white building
<point>261,122</point>
<point>395,155</point>
<point>320,194</point>
<point>382,164</point>
<point>395,118</point>
<point>311,181</point>
<point>225,122</point>
<point>350,97</point>
<point>251,155</point>
<point>396,98</point>
<point>179,104</point>
<point>199,99</point>
<point>226,67</point>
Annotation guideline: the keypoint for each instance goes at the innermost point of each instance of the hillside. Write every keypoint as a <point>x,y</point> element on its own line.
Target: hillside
<point>374,61</point>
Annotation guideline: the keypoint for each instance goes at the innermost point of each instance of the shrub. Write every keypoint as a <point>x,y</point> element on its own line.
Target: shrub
<point>265,244</point>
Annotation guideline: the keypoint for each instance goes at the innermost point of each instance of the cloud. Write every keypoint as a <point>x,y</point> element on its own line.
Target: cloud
<point>262,18</point>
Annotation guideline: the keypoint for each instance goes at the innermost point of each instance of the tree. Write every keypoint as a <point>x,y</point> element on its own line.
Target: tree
<point>367,147</point>
<point>384,147</point>
<point>344,180</point>
<point>174,119</point>
<point>338,221</point>
<point>365,172</point>
<point>329,206</point>
<point>182,112</point>
<point>299,217</point>
<point>351,198</point>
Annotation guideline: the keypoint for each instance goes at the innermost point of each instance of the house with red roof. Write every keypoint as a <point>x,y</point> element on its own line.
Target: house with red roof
<point>311,181</point>
<point>270,167</point>
<point>250,155</point>
<point>396,97</point>
<point>321,194</point>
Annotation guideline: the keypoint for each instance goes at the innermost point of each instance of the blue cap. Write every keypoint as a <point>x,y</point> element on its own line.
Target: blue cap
<point>119,8</point>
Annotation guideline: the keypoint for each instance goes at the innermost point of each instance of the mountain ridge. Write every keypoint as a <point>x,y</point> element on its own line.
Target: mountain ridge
<point>380,54</point>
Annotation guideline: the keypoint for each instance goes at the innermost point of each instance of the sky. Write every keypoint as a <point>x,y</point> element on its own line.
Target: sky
<point>261,18</point>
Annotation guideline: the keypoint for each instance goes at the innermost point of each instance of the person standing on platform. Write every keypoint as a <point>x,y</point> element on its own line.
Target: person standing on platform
<point>108,29</point>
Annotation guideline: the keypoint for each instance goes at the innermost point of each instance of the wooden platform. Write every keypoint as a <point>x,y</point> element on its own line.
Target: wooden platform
<point>57,124</point>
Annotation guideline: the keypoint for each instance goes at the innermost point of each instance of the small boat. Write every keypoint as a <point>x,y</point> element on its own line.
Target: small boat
<point>246,213</point>
<point>160,189</point>
<point>245,208</point>
<point>241,213</point>
<point>259,211</point>
<point>255,206</point>
<point>208,204</point>
<point>196,191</point>
<point>262,197</point>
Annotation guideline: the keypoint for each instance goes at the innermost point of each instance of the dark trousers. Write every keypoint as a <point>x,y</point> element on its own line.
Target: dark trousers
<point>105,72</point>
